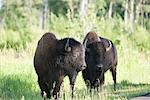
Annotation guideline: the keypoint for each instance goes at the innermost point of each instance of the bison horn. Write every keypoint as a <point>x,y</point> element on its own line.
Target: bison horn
<point>67,48</point>
<point>98,39</point>
<point>85,45</point>
<point>85,42</point>
<point>110,46</point>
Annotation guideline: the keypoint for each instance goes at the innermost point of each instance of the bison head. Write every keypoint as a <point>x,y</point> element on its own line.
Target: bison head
<point>95,54</point>
<point>71,54</point>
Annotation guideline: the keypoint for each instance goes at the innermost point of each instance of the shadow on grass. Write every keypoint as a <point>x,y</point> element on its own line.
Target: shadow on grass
<point>125,84</point>
<point>124,90</point>
<point>16,86</point>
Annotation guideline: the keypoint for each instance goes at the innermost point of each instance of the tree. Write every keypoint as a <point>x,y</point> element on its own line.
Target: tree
<point>111,10</point>
<point>84,8</point>
<point>45,14</point>
<point>126,14</point>
<point>132,13</point>
<point>129,16</point>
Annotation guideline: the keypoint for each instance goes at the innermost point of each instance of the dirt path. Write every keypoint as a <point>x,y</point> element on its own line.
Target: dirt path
<point>143,97</point>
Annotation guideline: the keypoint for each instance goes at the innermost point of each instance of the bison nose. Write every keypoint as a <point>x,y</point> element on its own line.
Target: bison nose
<point>100,65</point>
<point>98,81</point>
<point>83,67</point>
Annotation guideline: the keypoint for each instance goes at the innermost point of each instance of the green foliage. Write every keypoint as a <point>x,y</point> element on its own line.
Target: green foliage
<point>15,39</point>
<point>141,38</point>
<point>58,6</point>
<point>18,24</point>
<point>66,27</point>
<point>20,21</point>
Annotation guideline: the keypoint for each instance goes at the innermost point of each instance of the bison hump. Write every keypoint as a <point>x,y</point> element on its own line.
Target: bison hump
<point>91,37</point>
<point>47,44</point>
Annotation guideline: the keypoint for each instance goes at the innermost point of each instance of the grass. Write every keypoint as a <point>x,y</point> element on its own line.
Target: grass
<point>19,80</point>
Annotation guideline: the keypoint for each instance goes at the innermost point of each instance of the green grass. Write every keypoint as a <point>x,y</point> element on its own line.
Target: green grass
<point>18,78</point>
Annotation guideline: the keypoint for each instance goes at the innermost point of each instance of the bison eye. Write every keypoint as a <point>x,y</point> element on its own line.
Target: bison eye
<point>87,49</point>
<point>75,55</point>
<point>86,53</point>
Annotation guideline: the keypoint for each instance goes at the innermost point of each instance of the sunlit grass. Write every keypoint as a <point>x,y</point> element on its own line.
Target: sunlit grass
<point>18,78</point>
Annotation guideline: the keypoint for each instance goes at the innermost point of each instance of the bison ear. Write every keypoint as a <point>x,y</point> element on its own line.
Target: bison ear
<point>110,46</point>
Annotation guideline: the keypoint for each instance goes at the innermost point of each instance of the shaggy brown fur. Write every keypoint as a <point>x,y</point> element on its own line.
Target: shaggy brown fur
<point>54,59</point>
<point>100,56</point>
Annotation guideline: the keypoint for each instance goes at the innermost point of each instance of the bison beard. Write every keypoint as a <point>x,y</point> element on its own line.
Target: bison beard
<point>54,59</point>
<point>100,56</point>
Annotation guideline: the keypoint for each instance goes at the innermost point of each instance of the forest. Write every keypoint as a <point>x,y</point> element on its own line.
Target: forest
<point>125,22</point>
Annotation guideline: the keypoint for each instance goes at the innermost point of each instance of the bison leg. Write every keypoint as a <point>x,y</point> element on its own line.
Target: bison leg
<point>57,87</point>
<point>97,84</point>
<point>102,82</point>
<point>113,70</point>
<point>72,79</point>
<point>44,88</point>
<point>101,78</point>
<point>88,84</point>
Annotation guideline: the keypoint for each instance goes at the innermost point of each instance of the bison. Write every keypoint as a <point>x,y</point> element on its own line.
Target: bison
<point>100,56</point>
<point>54,59</point>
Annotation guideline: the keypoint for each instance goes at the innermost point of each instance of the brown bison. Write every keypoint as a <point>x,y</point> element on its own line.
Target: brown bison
<point>100,56</point>
<point>54,59</point>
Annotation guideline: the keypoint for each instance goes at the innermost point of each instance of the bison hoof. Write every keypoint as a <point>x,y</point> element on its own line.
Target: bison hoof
<point>56,95</point>
<point>88,83</point>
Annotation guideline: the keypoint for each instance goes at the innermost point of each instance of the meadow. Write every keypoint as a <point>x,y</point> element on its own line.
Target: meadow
<point>19,80</point>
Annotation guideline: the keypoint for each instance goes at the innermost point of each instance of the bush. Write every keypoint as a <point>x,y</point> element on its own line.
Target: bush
<point>15,39</point>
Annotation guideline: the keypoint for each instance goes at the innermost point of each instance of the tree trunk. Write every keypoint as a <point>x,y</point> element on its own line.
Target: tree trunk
<point>142,12</point>
<point>84,8</point>
<point>126,15</point>
<point>30,3</point>
<point>45,14</point>
<point>132,13</point>
<point>83,15</point>
<point>137,8</point>
<point>110,14</point>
